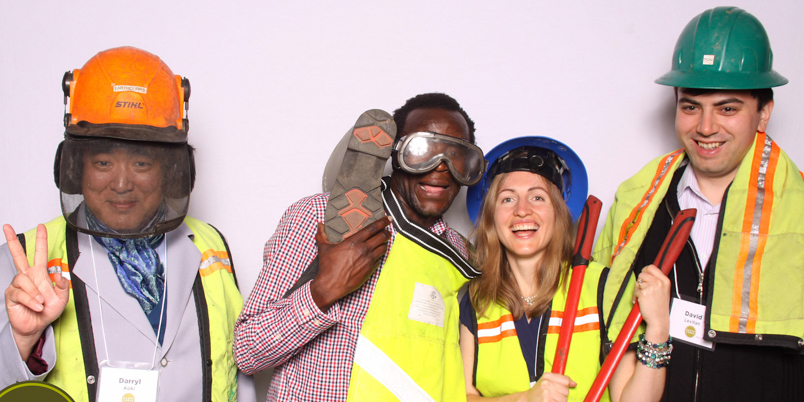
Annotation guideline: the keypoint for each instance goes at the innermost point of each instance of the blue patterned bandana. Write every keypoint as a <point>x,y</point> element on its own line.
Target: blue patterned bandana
<point>136,263</point>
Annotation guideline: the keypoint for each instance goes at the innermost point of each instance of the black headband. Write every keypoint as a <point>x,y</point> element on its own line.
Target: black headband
<point>541,161</point>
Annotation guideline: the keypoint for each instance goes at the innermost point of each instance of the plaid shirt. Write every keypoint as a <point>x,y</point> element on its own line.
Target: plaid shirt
<point>312,351</point>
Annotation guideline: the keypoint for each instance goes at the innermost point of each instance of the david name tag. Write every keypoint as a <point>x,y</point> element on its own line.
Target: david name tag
<point>128,385</point>
<point>687,323</point>
<point>427,305</point>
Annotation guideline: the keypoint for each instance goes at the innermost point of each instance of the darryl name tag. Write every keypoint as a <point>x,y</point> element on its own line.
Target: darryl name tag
<point>687,323</point>
<point>128,385</point>
<point>427,305</point>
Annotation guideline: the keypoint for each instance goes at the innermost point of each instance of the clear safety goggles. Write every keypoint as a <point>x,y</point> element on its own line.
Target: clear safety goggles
<point>422,152</point>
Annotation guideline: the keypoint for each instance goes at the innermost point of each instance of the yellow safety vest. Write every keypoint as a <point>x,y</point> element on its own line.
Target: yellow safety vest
<point>500,366</point>
<point>408,348</point>
<point>755,292</point>
<point>223,305</point>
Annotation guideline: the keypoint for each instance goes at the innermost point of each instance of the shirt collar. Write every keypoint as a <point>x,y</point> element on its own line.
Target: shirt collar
<point>689,183</point>
<point>439,227</point>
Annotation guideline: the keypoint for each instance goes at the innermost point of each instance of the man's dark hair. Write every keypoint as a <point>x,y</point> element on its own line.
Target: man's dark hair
<point>762,95</point>
<point>433,100</point>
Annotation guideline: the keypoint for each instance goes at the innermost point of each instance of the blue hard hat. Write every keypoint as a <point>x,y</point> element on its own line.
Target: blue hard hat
<point>572,173</point>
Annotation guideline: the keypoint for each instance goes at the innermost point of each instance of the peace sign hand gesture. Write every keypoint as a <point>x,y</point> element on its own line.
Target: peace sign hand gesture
<point>33,301</point>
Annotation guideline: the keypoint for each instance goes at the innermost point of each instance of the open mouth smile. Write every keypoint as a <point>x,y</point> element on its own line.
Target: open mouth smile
<point>524,229</point>
<point>433,189</point>
<point>709,145</point>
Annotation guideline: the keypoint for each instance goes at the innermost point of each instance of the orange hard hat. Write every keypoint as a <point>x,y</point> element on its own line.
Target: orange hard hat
<point>127,93</point>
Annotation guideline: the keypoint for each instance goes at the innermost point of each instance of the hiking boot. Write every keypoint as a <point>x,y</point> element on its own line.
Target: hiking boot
<point>355,200</point>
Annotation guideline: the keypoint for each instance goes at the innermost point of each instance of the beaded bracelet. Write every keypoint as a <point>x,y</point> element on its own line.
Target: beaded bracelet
<point>654,355</point>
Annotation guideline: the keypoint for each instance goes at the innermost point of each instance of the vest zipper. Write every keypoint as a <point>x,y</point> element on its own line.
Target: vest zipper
<point>694,254</point>
<point>700,301</point>
<point>700,270</point>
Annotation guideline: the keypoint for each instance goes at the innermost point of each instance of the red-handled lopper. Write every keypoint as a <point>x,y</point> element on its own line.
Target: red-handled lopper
<point>587,225</point>
<point>673,244</point>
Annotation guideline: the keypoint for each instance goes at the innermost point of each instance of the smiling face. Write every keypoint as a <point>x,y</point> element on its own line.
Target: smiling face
<point>123,189</point>
<point>524,215</point>
<point>425,197</point>
<point>717,129</point>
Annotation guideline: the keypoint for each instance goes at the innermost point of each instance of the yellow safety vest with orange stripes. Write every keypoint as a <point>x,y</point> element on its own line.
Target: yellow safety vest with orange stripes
<point>755,292</point>
<point>500,366</point>
<point>223,305</point>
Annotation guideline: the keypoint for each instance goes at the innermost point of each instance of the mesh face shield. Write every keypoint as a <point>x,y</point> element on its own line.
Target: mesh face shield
<point>123,189</point>
<point>422,152</point>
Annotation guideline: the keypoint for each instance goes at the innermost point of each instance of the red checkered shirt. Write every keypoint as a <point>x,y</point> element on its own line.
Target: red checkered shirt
<point>311,351</point>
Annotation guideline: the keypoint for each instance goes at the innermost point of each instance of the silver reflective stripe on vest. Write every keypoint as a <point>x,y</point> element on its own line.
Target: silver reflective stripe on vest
<point>212,260</point>
<point>377,364</point>
<point>55,269</point>
<point>754,237</point>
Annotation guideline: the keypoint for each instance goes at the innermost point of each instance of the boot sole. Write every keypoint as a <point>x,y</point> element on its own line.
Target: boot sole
<point>356,198</point>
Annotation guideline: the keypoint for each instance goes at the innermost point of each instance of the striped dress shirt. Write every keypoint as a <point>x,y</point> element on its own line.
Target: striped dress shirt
<point>703,230</point>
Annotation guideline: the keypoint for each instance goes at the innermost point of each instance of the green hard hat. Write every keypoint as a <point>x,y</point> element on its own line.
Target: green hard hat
<point>723,48</point>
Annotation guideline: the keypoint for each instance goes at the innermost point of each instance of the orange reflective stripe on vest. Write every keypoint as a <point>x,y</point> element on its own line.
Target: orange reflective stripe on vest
<point>55,267</point>
<point>630,224</point>
<point>585,320</point>
<point>756,220</point>
<point>213,260</point>
<point>496,330</point>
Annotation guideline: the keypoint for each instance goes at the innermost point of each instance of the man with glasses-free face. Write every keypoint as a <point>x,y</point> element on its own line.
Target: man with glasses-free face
<point>737,286</point>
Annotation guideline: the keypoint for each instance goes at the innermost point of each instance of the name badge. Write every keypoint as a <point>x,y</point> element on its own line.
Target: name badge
<point>687,323</point>
<point>427,305</point>
<point>127,384</point>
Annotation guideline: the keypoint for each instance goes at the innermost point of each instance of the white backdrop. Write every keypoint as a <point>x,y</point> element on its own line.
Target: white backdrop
<point>276,84</point>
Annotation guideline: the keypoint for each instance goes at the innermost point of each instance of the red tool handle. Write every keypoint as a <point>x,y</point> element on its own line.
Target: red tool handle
<point>587,226</point>
<point>673,244</point>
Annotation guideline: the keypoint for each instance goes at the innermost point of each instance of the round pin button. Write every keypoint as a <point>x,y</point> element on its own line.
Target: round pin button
<point>164,362</point>
<point>26,391</point>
